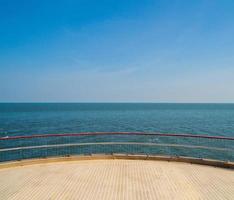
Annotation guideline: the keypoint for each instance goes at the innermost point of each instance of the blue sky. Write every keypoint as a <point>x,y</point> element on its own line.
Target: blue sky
<point>117,51</point>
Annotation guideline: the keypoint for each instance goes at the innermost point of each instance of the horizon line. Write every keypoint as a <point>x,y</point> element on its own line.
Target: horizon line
<point>126,102</point>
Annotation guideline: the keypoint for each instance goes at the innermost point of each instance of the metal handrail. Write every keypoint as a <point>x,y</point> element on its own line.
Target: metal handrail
<point>45,145</point>
<point>116,143</point>
<point>114,133</point>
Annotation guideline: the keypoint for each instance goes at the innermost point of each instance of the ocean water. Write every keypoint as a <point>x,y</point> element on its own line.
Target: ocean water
<point>51,118</point>
<point>45,118</point>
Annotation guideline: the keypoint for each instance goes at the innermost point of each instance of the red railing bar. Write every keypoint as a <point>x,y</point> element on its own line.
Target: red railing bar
<point>115,133</point>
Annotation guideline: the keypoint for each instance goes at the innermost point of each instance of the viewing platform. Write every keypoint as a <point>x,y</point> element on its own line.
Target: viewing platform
<point>107,178</point>
<point>116,166</point>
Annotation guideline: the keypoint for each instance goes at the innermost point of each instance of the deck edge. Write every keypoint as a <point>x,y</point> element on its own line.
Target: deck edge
<point>191,160</point>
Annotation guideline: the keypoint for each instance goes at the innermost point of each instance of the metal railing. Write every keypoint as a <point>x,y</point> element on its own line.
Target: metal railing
<point>51,145</point>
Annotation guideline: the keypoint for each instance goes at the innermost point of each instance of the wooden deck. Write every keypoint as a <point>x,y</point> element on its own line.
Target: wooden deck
<point>116,179</point>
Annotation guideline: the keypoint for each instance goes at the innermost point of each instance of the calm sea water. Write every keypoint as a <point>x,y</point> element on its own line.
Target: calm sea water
<point>44,118</point>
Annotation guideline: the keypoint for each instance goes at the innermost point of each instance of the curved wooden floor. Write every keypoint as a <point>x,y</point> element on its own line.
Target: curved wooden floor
<point>116,179</point>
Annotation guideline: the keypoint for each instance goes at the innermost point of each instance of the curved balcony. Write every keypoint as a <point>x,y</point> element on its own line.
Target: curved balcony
<point>116,166</point>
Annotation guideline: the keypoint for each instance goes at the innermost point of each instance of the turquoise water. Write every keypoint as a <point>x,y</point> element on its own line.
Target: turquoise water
<point>28,119</point>
<point>43,118</point>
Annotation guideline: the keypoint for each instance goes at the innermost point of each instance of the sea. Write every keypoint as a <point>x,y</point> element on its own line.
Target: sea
<point>25,119</point>
<point>48,118</point>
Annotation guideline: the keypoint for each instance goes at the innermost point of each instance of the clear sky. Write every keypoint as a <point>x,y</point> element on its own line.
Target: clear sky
<point>117,51</point>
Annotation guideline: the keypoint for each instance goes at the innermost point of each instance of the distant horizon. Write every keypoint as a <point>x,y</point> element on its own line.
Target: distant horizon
<point>123,102</point>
